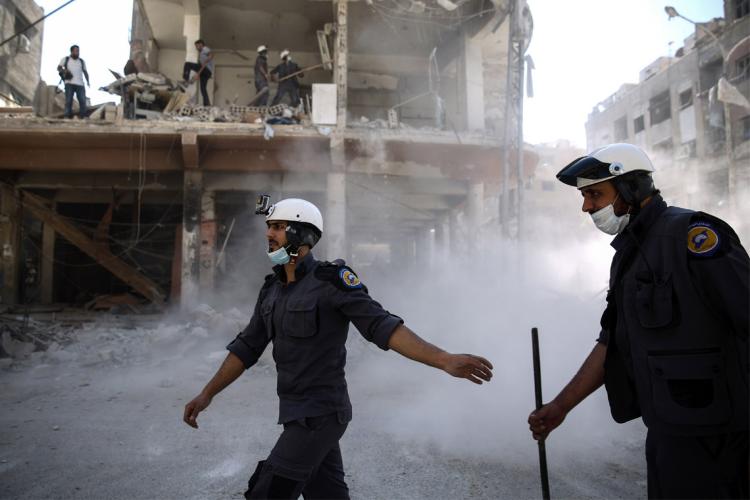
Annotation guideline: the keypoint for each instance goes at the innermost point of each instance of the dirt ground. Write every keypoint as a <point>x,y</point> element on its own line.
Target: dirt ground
<point>104,421</point>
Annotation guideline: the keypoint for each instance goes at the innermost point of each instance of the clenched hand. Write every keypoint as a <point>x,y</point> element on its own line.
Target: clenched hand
<point>193,408</point>
<point>468,366</point>
<point>545,420</point>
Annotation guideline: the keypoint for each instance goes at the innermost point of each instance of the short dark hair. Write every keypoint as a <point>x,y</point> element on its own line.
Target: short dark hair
<point>74,47</point>
<point>200,40</point>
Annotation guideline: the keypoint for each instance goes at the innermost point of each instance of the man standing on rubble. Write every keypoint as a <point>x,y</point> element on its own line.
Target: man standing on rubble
<point>261,77</point>
<point>72,70</point>
<point>673,348</point>
<point>287,84</point>
<point>204,68</point>
<point>305,308</point>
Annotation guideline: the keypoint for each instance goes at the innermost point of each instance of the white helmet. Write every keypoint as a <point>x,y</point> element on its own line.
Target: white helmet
<point>605,163</point>
<point>296,210</point>
<point>304,222</point>
<point>261,48</point>
<point>284,53</point>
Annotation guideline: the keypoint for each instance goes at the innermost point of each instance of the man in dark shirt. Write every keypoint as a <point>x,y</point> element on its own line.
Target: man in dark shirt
<point>261,77</point>
<point>287,84</point>
<point>673,348</point>
<point>304,309</point>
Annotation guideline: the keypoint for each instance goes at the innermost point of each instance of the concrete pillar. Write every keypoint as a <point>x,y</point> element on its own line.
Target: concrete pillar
<point>191,241</point>
<point>699,105</point>
<point>442,240</point>
<point>426,243</point>
<point>404,251</point>
<point>473,84</point>
<point>208,242</point>
<point>10,239</point>
<point>48,263</point>
<point>475,206</point>
<point>335,221</point>
<point>335,216</point>
<point>191,30</point>
<point>457,236</point>
<point>340,66</point>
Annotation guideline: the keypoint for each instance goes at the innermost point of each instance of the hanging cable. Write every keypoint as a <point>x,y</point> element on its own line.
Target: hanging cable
<point>27,28</point>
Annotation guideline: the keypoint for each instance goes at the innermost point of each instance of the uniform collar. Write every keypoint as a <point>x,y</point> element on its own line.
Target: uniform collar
<point>304,266</point>
<point>640,224</point>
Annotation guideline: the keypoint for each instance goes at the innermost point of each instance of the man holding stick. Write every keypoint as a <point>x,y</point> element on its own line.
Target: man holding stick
<point>673,348</point>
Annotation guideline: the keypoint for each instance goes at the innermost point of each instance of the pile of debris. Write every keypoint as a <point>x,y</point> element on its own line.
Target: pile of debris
<point>148,95</point>
<point>110,339</point>
<point>154,96</point>
<point>280,114</point>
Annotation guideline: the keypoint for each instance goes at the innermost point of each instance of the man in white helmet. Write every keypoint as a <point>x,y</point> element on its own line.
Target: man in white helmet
<point>304,308</point>
<point>261,76</point>
<point>287,84</point>
<point>673,347</point>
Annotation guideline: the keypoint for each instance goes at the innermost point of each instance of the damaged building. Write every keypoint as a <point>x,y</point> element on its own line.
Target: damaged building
<point>21,57</point>
<point>692,111</point>
<point>408,138</point>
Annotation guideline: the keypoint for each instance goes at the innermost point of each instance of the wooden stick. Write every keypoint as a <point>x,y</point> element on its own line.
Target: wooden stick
<point>538,397</point>
<point>264,90</point>
<point>287,77</point>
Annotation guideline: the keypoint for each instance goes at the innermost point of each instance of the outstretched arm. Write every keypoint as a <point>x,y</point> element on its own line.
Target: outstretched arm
<point>588,379</point>
<point>230,369</point>
<point>409,344</point>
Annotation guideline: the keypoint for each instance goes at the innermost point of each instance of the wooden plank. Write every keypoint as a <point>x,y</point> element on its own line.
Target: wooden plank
<point>10,244</point>
<point>21,110</point>
<point>37,206</point>
<point>48,263</point>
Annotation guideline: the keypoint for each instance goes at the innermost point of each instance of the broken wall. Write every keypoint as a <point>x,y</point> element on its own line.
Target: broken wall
<point>21,59</point>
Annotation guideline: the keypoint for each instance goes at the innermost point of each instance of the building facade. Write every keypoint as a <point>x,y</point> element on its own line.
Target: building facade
<point>173,198</point>
<point>21,58</point>
<point>696,128</point>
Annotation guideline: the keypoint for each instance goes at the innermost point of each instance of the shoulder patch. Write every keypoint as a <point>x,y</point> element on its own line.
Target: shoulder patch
<point>339,275</point>
<point>349,279</point>
<point>702,239</point>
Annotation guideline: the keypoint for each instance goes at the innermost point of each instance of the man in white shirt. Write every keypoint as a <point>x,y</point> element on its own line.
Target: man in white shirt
<point>204,68</point>
<point>72,69</point>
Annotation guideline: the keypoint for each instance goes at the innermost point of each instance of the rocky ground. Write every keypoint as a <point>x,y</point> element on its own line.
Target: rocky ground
<point>94,411</point>
<point>100,417</point>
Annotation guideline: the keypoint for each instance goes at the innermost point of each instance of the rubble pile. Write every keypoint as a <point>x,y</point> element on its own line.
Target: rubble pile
<point>142,82</point>
<point>154,96</point>
<point>114,340</point>
<point>236,114</point>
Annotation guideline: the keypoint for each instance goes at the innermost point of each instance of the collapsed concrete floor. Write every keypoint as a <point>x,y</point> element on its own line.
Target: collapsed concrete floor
<point>100,417</point>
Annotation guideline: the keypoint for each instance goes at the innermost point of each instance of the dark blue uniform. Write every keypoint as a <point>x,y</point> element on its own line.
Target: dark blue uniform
<point>676,330</point>
<point>308,321</point>
<point>261,81</point>
<point>289,86</point>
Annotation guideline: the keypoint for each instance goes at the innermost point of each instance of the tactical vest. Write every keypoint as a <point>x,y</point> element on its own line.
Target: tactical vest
<point>689,369</point>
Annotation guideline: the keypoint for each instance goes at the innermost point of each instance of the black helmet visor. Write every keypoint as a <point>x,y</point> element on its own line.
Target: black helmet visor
<point>586,167</point>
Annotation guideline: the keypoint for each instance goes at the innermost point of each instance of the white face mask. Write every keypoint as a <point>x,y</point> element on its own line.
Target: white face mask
<point>606,220</point>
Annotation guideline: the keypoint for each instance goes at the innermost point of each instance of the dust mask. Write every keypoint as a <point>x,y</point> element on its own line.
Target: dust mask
<point>280,256</point>
<point>607,222</point>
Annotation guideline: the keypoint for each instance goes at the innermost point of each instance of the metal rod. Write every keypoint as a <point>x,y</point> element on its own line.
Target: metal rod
<point>224,245</point>
<point>538,398</point>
